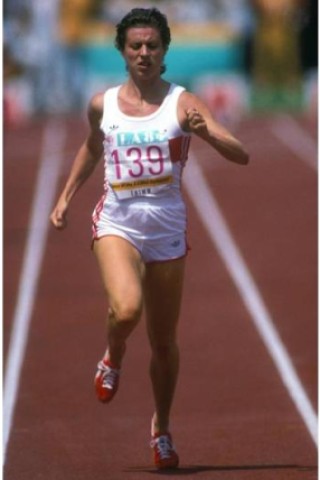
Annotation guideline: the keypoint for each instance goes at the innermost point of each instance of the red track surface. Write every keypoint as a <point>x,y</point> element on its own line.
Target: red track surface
<point>232,417</point>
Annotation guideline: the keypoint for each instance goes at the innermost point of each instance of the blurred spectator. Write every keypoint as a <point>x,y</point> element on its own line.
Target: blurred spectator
<point>11,68</point>
<point>188,11</point>
<point>12,7</point>
<point>44,39</point>
<point>69,63</point>
<point>276,60</point>
<point>309,35</point>
<point>29,37</point>
<point>73,18</point>
<point>234,13</point>
<point>114,10</point>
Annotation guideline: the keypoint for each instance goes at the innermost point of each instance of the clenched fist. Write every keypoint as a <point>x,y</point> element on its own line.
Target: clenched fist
<point>196,120</point>
<point>58,216</point>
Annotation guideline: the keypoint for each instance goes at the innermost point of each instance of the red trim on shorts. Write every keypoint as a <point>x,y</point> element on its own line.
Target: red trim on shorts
<point>96,215</point>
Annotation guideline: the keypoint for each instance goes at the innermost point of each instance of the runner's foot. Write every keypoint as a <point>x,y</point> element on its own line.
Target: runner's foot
<point>164,452</point>
<point>106,381</point>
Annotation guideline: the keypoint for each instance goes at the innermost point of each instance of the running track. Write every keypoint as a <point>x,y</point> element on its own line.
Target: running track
<point>237,415</point>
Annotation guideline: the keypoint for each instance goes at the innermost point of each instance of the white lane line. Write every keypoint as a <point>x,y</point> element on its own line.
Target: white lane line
<point>214,222</point>
<point>296,139</point>
<point>50,164</point>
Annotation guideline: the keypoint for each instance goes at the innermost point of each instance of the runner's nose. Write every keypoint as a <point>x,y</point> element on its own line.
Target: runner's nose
<point>144,51</point>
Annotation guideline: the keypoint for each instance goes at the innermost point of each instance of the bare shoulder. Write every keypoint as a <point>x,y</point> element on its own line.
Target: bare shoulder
<point>95,109</point>
<point>96,103</point>
<point>188,100</point>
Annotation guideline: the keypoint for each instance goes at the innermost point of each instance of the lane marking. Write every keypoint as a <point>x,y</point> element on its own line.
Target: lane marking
<point>50,163</point>
<point>298,140</point>
<point>215,224</point>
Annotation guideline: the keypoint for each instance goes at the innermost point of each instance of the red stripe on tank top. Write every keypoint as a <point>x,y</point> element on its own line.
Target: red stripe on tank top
<point>178,148</point>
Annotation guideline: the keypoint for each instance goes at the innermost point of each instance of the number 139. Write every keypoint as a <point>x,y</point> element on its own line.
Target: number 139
<point>153,164</point>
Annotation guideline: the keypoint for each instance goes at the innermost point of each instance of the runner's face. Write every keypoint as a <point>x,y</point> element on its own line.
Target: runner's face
<point>143,51</point>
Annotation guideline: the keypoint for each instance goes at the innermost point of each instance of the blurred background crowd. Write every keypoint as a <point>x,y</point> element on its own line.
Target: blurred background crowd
<point>238,54</point>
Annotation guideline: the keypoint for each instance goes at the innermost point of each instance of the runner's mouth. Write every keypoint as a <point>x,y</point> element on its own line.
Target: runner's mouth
<point>144,64</point>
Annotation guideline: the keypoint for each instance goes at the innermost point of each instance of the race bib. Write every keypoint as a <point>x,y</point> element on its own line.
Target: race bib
<point>139,170</point>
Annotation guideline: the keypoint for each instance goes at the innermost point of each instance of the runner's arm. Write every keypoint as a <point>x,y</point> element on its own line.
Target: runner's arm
<point>84,163</point>
<point>195,117</point>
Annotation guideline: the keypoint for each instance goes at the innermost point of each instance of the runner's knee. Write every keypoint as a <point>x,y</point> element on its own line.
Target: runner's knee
<point>126,312</point>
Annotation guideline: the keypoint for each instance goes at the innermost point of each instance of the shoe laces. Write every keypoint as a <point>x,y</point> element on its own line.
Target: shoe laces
<point>164,446</point>
<point>109,375</point>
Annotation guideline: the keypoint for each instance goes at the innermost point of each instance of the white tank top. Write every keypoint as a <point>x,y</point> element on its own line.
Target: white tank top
<point>144,156</point>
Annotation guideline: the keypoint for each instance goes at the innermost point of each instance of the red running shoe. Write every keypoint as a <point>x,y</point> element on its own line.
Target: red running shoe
<point>106,381</point>
<point>165,455</point>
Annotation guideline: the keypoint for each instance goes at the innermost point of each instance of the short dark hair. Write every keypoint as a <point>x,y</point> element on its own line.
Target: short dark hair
<point>143,17</point>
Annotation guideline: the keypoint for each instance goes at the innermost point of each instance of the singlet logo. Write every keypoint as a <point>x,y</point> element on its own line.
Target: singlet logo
<point>143,137</point>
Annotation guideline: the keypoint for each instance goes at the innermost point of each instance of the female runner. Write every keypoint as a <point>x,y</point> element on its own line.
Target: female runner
<point>143,128</point>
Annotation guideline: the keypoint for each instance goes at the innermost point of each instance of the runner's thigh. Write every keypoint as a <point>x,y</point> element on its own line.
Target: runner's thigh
<point>122,271</point>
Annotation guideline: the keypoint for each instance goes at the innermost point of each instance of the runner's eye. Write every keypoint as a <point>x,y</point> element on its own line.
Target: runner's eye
<point>136,46</point>
<point>150,46</point>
